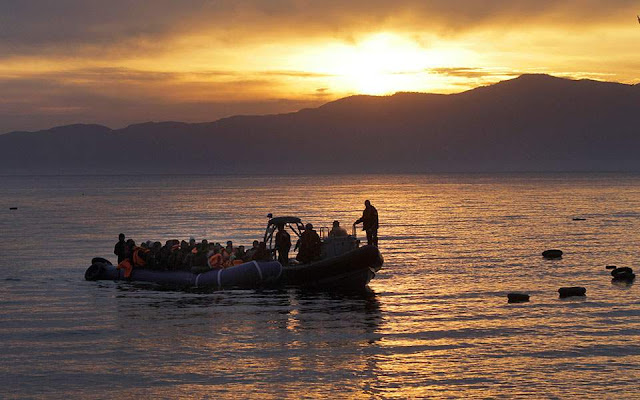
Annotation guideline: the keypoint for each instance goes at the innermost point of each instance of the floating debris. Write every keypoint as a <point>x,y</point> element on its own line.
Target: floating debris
<point>552,254</point>
<point>610,267</point>
<point>572,291</point>
<point>13,208</point>
<point>623,274</point>
<point>579,219</point>
<point>518,297</point>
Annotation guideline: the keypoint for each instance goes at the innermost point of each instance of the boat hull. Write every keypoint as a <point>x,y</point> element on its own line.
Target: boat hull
<point>248,275</point>
<point>351,270</point>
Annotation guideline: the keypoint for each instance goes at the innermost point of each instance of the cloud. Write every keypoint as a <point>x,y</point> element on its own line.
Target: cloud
<point>469,72</point>
<point>459,72</point>
<point>296,74</point>
<point>118,96</point>
<point>72,28</point>
<point>128,78</point>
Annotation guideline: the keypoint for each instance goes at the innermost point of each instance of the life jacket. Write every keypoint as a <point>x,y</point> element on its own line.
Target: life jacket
<point>126,265</point>
<point>226,254</point>
<point>138,259</point>
<point>215,261</point>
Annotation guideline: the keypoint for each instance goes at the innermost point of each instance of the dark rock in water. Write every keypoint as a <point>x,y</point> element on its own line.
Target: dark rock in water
<point>572,291</point>
<point>611,267</point>
<point>13,208</point>
<point>517,297</point>
<point>551,254</point>
<point>579,219</point>
<point>623,274</point>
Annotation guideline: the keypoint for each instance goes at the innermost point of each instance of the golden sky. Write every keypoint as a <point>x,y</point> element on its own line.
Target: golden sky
<point>120,62</point>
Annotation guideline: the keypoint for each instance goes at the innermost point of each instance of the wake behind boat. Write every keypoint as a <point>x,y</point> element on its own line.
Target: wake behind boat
<point>341,263</point>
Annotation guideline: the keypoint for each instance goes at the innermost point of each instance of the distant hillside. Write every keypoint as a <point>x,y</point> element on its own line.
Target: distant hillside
<point>531,123</point>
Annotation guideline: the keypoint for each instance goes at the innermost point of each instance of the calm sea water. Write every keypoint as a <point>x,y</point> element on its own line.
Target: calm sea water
<point>434,324</point>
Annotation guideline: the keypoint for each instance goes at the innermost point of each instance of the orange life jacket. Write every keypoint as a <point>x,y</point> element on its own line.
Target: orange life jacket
<point>138,260</point>
<point>231,263</point>
<point>215,261</point>
<point>126,265</point>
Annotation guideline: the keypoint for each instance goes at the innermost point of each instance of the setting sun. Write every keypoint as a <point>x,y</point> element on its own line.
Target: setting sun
<point>381,63</point>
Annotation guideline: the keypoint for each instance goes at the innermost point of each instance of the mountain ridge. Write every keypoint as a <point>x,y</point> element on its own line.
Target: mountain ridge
<point>535,122</point>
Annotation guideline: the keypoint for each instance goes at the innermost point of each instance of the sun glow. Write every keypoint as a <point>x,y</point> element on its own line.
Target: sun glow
<point>383,63</point>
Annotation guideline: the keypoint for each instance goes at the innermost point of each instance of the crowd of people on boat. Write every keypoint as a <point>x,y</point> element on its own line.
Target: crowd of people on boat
<point>176,255</point>
<point>196,257</point>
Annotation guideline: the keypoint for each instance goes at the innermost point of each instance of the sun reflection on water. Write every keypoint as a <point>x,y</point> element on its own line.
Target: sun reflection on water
<point>435,323</point>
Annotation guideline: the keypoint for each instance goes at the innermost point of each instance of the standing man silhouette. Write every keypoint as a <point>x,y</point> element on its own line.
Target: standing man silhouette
<point>283,244</point>
<point>120,249</point>
<point>369,223</point>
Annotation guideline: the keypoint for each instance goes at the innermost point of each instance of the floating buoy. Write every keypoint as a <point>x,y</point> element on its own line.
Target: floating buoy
<point>572,291</point>
<point>551,254</point>
<point>13,208</point>
<point>623,274</point>
<point>621,270</point>
<point>518,297</point>
<point>625,278</point>
<point>610,267</point>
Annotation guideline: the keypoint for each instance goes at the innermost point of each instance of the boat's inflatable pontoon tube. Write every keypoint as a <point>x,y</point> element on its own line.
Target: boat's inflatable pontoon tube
<point>248,275</point>
<point>354,268</point>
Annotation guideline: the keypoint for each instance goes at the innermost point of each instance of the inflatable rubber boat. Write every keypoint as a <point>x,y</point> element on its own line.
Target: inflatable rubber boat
<point>248,275</point>
<point>342,264</point>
